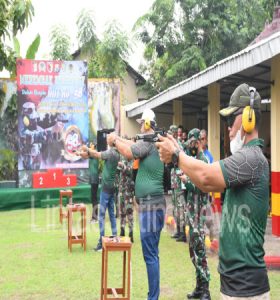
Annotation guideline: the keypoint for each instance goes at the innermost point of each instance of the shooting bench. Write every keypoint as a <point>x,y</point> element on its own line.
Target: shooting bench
<point>122,244</point>
<point>69,195</point>
<point>81,238</point>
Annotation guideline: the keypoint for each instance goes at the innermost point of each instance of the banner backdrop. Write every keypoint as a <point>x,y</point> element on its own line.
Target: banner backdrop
<point>52,113</point>
<point>104,105</point>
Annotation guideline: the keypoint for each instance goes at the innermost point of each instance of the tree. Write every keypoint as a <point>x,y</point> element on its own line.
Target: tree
<point>111,53</point>
<point>183,37</point>
<point>86,32</point>
<point>60,43</point>
<point>15,15</point>
<point>30,53</point>
<point>106,57</point>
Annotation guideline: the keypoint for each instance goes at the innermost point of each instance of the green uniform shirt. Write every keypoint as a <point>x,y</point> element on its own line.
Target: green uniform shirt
<point>244,217</point>
<point>149,180</point>
<point>93,170</point>
<point>191,188</point>
<point>111,158</point>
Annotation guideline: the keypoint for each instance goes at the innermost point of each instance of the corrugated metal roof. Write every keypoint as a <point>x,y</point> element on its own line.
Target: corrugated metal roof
<point>134,105</point>
<point>249,57</point>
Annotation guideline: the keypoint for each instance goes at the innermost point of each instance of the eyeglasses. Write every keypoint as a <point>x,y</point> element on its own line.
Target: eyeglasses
<point>231,119</point>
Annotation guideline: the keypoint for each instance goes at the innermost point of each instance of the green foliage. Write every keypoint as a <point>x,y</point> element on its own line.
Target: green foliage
<point>106,57</point>
<point>15,16</point>
<point>30,54</point>
<point>33,48</point>
<point>9,122</point>
<point>110,54</point>
<point>16,46</point>
<point>60,43</point>
<point>183,37</point>
<point>12,109</point>
<point>8,164</point>
<point>86,32</point>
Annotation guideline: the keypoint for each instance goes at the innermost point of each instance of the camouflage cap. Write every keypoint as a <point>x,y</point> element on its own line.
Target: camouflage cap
<point>194,135</point>
<point>173,128</point>
<point>241,98</point>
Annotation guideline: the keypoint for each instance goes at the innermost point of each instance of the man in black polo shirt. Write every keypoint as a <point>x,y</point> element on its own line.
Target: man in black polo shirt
<point>245,176</point>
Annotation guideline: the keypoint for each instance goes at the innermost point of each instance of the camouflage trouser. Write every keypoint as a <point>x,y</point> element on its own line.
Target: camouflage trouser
<point>117,203</point>
<point>126,210</point>
<point>196,220</point>
<point>178,201</point>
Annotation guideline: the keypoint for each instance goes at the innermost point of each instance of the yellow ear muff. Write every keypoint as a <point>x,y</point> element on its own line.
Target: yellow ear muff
<point>26,121</point>
<point>248,119</point>
<point>147,124</point>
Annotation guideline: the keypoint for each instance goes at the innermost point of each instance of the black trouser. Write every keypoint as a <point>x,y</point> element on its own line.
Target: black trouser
<point>94,189</point>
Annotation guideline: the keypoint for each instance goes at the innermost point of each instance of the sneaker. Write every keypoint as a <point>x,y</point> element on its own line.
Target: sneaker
<point>93,221</point>
<point>98,248</point>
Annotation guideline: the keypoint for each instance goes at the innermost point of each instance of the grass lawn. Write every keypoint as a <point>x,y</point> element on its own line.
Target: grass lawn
<point>35,262</point>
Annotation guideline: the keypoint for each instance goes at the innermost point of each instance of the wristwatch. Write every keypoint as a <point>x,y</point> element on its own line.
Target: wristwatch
<point>175,157</point>
<point>114,142</point>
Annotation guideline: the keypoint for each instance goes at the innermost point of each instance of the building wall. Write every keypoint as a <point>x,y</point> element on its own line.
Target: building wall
<point>264,130</point>
<point>129,90</point>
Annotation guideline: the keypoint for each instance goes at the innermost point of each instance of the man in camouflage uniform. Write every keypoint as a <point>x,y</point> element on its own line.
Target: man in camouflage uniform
<point>196,204</point>
<point>177,197</point>
<point>126,194</point>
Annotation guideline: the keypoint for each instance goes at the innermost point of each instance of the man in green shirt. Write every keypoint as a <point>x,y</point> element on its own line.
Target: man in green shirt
<point>245,176</point>
<point>149,195</point>
<point>107,200</point>
<point>94,181</point>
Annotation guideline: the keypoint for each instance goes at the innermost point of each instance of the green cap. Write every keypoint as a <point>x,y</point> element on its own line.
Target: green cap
<point>194,135</point>
<point>173,128</point>
<point>241,98</point>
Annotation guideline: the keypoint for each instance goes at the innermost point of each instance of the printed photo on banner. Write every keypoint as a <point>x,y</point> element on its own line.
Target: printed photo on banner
<point>52,113</point>
<point>104,105</point>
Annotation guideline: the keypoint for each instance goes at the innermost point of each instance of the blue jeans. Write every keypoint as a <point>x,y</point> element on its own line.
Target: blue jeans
<point>107,200</point>
<point>151,224</point>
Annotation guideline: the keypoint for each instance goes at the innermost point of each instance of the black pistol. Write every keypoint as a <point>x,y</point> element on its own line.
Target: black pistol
<point>152,137</point>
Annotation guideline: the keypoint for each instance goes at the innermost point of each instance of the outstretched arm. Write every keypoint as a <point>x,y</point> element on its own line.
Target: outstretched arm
<point>207,177</point>
<point>122,145</point>
<point>86,152</point>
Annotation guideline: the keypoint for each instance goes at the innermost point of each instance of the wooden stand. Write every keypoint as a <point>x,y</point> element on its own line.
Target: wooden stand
<point>122,244</point>
<point>68,194</point>
<point>76,239</point>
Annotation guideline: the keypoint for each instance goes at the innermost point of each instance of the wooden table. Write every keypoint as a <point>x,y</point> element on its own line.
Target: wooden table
<point>69,195</point>
<point>122,244</point>
<point>81,238</point>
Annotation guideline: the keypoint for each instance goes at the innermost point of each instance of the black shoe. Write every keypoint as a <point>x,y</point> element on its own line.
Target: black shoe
<point>197,292</point>
<point>131,237</point>
<point>122,232</point>
<point>205,295</point>
<point>205,291</point>
<point>175,236</point>
<point>98,248</point>
<point>182,238</point>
